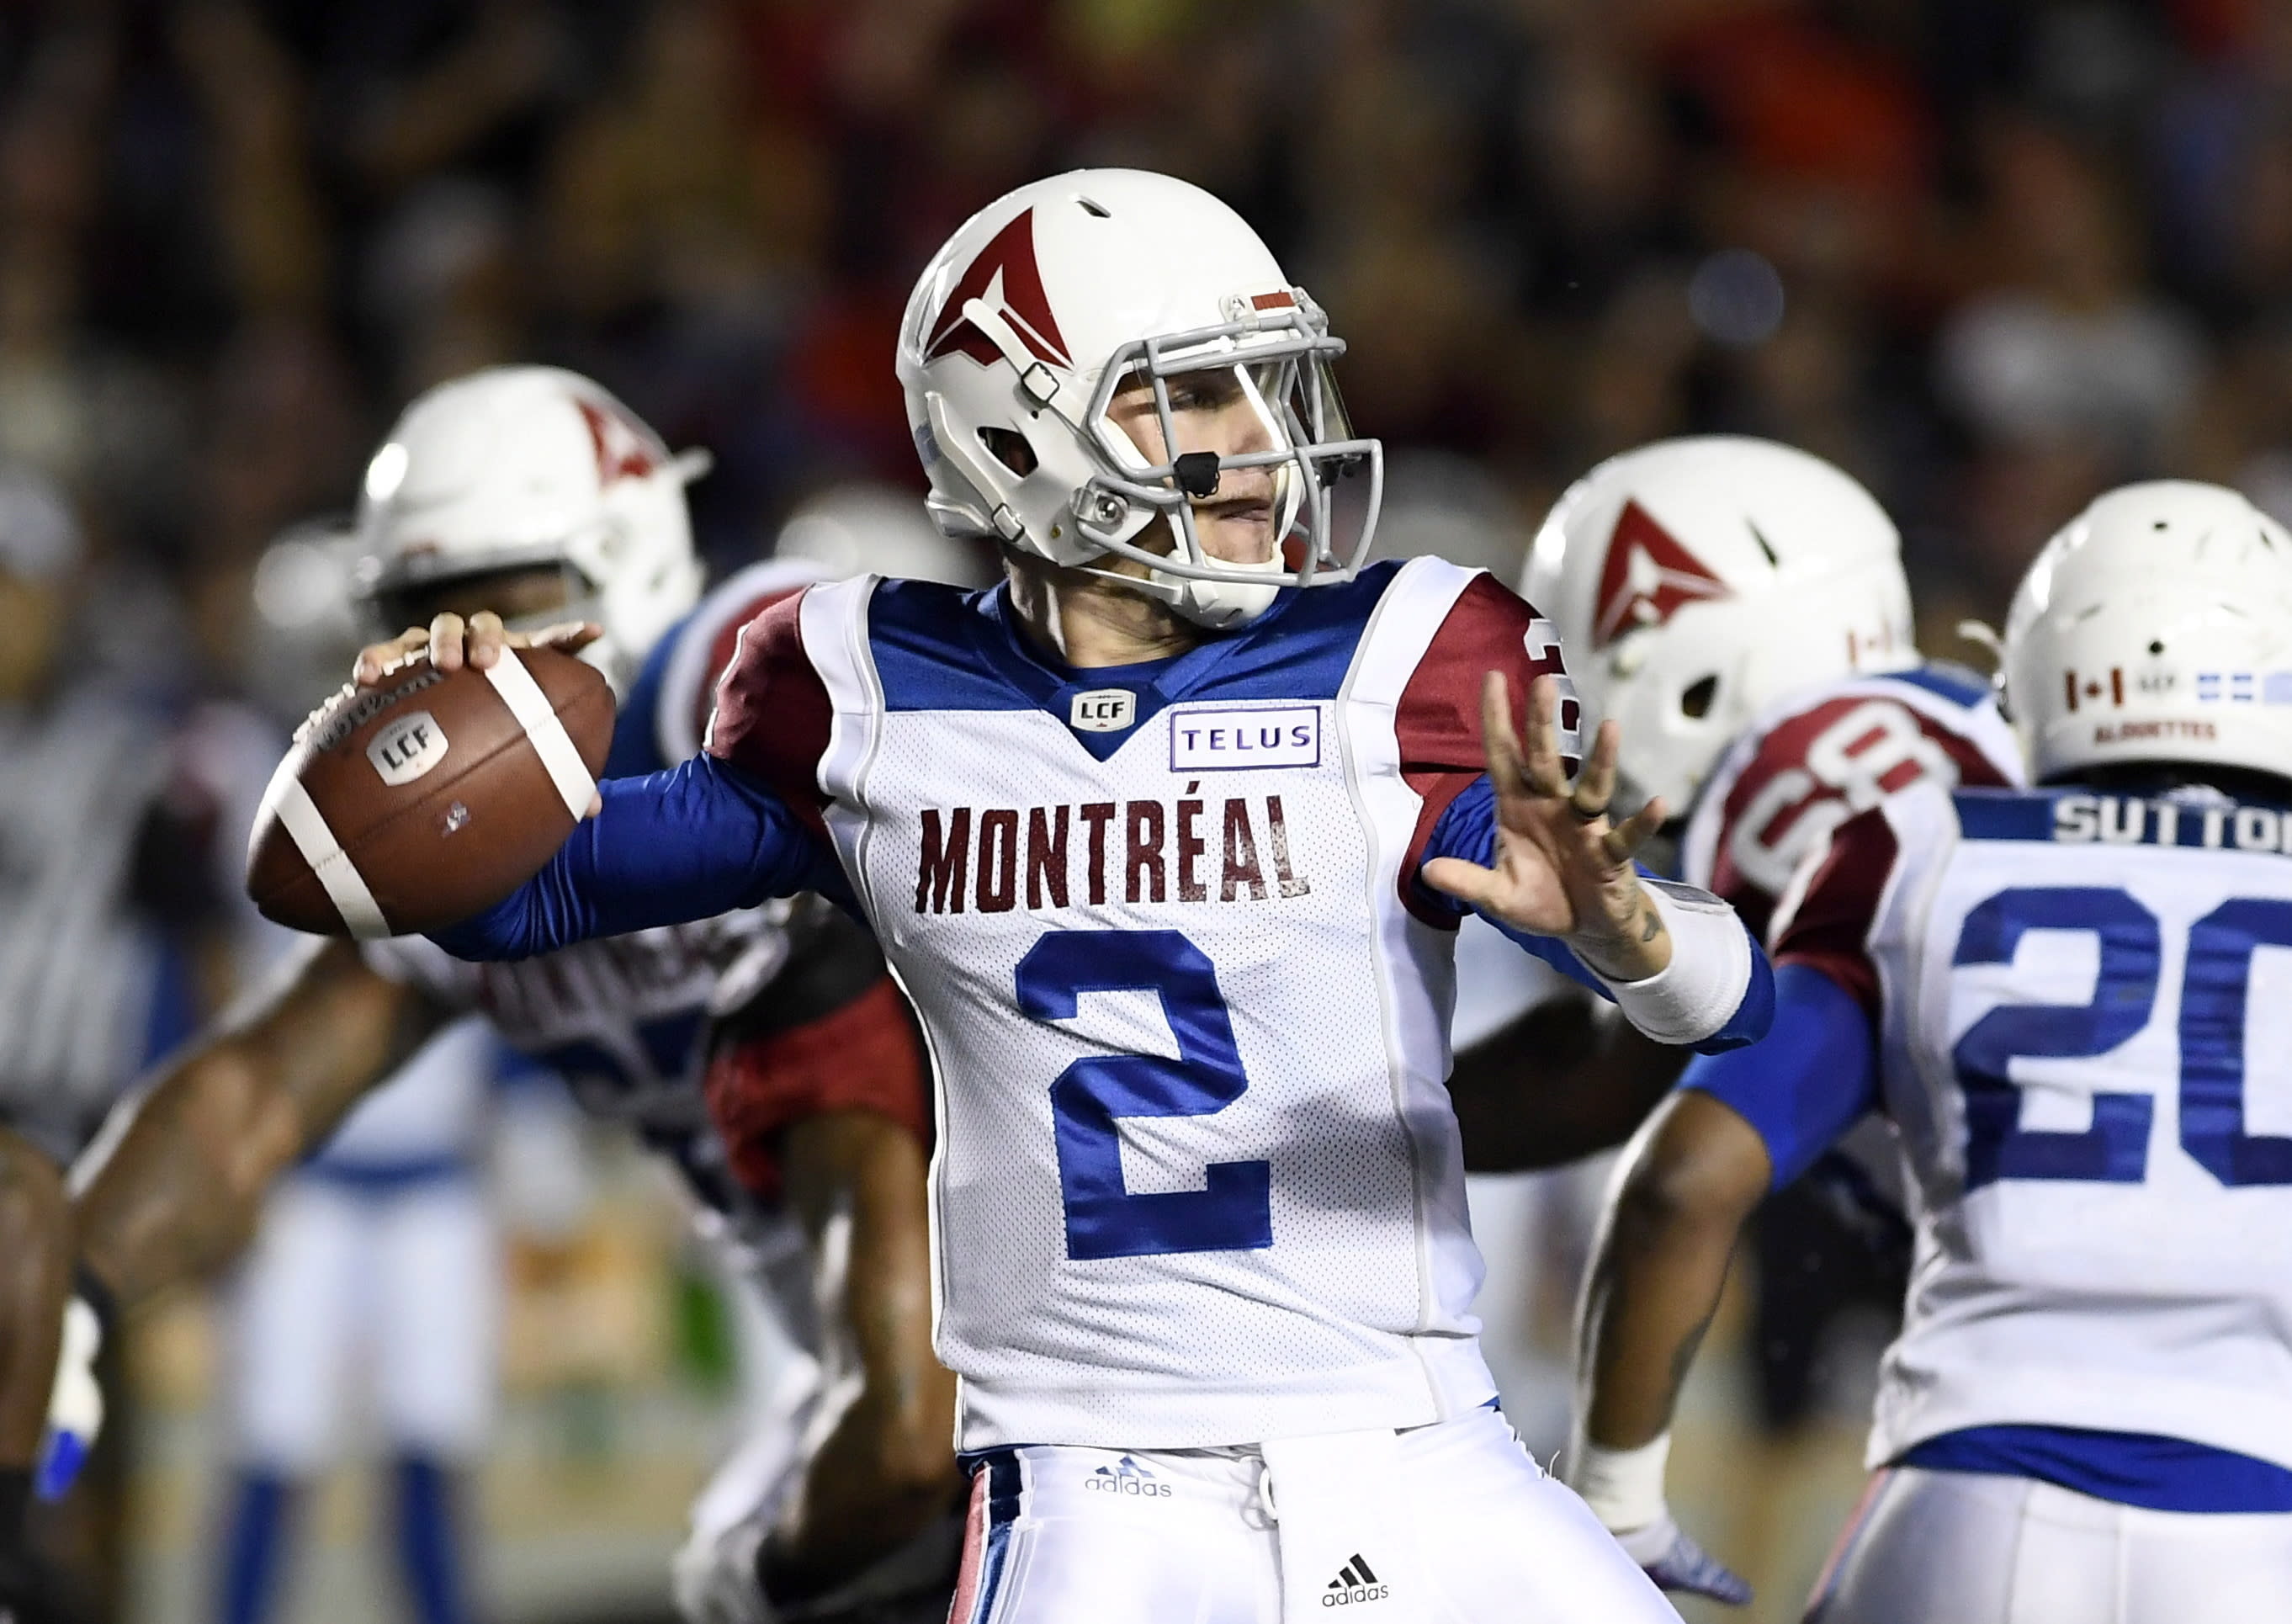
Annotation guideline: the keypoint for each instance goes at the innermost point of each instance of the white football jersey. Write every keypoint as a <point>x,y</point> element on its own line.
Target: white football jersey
<point>2086,1019</point>
<point>1197,1182</point>
<point>1820,756</point>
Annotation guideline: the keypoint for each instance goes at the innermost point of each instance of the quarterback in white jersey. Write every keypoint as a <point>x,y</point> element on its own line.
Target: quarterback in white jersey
<point>1166,839</point>
<point>2061,998</point>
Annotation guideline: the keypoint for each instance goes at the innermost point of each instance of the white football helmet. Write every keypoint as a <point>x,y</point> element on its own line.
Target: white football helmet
<point>1694,582</point>
<point>862,528</point>
<point>512,467</point>
<point>2156,626</point>
<point>1045,302</point>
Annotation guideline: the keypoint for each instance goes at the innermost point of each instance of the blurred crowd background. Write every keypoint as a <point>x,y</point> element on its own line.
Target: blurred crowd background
<point>1990,256</point>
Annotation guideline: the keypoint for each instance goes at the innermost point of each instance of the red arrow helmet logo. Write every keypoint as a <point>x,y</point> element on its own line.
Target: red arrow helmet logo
<point>1646,577</point>
<point>1004,276</point>
<point>622,450</point>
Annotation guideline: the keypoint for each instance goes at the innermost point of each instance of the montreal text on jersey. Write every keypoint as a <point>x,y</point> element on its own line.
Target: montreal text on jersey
<point>995,859</point>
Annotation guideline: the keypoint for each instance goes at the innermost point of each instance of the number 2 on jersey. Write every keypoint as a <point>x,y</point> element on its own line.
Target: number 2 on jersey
<point>1234,1211</point>
<point>2213,993</point>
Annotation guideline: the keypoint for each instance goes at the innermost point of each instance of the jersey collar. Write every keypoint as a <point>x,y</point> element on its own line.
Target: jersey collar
<point>1155,684</point>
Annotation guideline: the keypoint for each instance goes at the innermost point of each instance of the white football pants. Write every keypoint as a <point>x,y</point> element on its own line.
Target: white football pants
<point>404,1282</point>
<point>1972,1548</point>
<point>1467,1531</point>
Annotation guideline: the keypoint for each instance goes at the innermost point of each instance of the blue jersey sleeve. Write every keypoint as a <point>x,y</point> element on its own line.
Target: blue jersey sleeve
<point>1814,1077</point>
<point>698,841</point>
<point>1467,829</point>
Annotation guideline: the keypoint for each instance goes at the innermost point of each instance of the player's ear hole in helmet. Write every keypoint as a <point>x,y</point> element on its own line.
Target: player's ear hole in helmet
<point>1009,448</point>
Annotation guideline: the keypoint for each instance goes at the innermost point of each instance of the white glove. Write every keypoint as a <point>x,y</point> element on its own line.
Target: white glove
<point>74,1403</point>
<point>1624,1489</point>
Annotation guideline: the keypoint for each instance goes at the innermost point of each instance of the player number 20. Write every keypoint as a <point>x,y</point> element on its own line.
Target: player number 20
<point>1234,1211</point>
<point>2115,1149</point>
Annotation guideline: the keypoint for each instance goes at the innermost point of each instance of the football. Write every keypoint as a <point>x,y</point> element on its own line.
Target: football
<point>429,796</point>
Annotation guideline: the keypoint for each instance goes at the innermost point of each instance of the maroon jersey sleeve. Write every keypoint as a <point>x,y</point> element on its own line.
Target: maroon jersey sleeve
<point>1811,772</point>
<point>1828,925</point>
<point>1438,722</point>
<point>723,644</point>
<point>862,1056</point>
<point>772,714</point>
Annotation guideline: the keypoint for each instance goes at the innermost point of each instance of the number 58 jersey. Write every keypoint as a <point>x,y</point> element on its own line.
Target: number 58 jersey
<point>1197,1182</point>
<point>2085,1009</point>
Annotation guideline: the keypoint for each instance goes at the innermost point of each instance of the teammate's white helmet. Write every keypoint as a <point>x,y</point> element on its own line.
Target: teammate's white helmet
<point>1694,582</point>
<point>1047,301</point>
<point>2156,626</point>
<point>517,466</point>
<point>863,527</point>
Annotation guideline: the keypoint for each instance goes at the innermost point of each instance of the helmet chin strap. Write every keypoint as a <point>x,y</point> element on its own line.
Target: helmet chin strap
<point>1219,604</point>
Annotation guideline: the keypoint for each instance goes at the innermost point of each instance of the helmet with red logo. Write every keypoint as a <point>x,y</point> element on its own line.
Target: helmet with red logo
<point>1049,299</point>
<point>2156,626</point>
<point>1694,582</point>
<point>514,468</point>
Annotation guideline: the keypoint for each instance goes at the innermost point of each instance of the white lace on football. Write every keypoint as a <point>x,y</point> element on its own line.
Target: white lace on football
<point>545,730</point>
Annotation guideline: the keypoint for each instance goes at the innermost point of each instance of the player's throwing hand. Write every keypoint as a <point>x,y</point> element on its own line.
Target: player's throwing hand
<point>480,640</point>
<point>450,641</point>
<point>1563,867</point>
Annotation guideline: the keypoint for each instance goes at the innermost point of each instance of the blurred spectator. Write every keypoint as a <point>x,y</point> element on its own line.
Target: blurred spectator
<point>2070,345</point>
<point>107,873</point>
<point>2068,372</point>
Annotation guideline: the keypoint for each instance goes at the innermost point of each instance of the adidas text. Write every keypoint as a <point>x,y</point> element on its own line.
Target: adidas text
<point>1127,1476</point>
<point>1354,1585</point>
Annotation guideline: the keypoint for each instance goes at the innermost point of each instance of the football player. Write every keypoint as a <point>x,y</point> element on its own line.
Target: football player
<point>533,493</point>
<point>2063,998</point>
<point>1739,607</point>
<point>1167,837</point>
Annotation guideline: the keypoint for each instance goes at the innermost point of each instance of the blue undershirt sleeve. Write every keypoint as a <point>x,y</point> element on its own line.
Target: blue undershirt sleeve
<point>1814,1076</point>
<point>1467,829</point>
<point>698,840</point>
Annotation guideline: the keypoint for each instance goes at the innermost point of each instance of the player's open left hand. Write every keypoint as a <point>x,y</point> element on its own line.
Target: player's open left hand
<point>451,641</point>
<point>1561,866</point>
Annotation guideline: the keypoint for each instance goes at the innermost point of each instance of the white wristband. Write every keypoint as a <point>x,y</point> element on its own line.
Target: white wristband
<point>1623,1488</point>
<point>1702,987</point>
